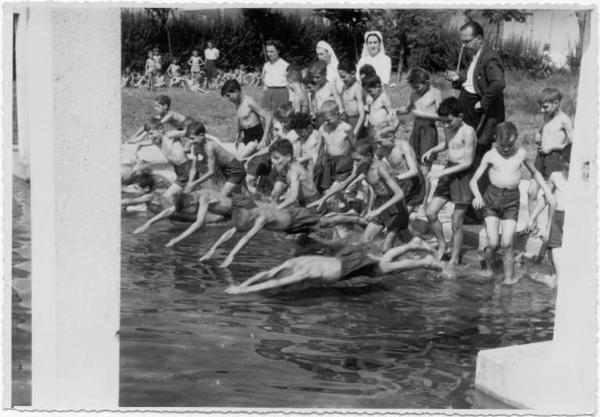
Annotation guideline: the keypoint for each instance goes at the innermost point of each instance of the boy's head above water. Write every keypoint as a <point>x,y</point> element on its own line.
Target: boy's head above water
<point>144,182</point>
<point>505,135</point>
<point>549,100</point>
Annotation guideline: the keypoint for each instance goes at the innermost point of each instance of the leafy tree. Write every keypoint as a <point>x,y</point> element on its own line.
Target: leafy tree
<point>497,16</point>
<point>161,18</point>
<point>347,27</point>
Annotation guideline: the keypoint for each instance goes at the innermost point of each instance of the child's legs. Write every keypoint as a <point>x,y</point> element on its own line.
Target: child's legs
<point>458,216</point>
<point>492,225</point>
<point>433,209</point>
<point>409,264</point>
<point>390,238</point>
<point>370,232</point>
<point>556,256</point>
<point>508,232</point>
<point>330,220</point>
<point>425,171</point>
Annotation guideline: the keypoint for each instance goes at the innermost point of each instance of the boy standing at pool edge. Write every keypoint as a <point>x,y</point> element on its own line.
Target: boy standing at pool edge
<point>453,183</point>
<point>501,199</point>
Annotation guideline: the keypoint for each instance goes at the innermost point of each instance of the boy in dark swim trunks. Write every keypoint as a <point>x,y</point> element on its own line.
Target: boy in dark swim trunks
<point>453,183</point>
<point>216,158</point>
<point>350,262</point>
<point>251,134</point>
<point>292,220</point>
<point>389,208</point>
<point>172,148</point>
<point>501,200</point>
<point>198,207</point>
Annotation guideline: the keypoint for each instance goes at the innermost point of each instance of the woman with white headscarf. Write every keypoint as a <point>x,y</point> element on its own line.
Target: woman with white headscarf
<point>373,53</point>
<point>325,53</point>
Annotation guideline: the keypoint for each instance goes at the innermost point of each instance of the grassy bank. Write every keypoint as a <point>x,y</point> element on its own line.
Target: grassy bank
<point>217,113</point>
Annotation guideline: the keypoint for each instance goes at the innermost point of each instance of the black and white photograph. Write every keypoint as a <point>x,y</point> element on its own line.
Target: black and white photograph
<point>315,207</point>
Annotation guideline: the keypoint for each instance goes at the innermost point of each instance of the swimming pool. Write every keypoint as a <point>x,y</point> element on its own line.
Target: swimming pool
<point>400,341</point>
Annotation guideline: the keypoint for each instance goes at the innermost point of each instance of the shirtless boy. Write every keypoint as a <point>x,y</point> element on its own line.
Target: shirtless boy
<point>335,141</point>
<point>379,104</point>
<point>453,183</point>
<point>501,199</point>
<point>143,189</point>
<point>352,96</point>
<point>199,207</point>
<point>350,262</point>
<point>251,132</point>
<point>390,211</point>
<point>216,158</point>
<point>171,147</point>
<point>300,186</point>
<point>555,135</point>
<point>162,106</point>
<point>292,220</point>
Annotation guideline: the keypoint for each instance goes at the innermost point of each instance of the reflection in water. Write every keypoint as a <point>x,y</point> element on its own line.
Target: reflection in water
<point>400,341</point>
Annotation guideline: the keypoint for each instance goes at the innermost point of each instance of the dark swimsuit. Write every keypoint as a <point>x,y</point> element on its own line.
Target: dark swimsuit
<point>254,133</point>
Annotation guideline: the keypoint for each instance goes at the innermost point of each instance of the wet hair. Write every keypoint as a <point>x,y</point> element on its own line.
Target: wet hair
<point>275,44</point>
<point>183,201</point>
<point>300,121</point>
<point>164,101</point>
<point>549,95</point>
<point>505,131</point>
<point>364,147</point>
<point>231,86</point>
<point>196,129</point>
<point>319,67</point>
<point>329,107</point>
<point>367,70</point>
<point>283,147</point>
<point>347,65</point>
<point>152,124</point>
<point>283,113</point>
<point>418,76</point>
<point>476,28</point>
<point>242,218</point>
<point>372,81</point>
<point>294,75</point>
<point>144,179</point>
<point>449,106</point>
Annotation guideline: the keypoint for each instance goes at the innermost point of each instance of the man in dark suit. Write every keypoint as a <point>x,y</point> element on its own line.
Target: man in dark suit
<point>481,88</point>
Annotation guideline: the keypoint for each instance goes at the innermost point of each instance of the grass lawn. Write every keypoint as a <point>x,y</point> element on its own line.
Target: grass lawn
<point>217,113</point>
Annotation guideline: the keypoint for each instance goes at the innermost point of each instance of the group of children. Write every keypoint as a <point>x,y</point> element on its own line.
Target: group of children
<point>199,76</point>
<point>328,160</point>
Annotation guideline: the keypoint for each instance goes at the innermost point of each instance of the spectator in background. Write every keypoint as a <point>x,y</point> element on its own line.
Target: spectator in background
<point>325,53</point>
<point>274,75</point>
<point>373,53</point>
<point>211,55</point>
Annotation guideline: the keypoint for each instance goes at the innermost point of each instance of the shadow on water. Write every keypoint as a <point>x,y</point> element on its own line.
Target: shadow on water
<point>406,340</point>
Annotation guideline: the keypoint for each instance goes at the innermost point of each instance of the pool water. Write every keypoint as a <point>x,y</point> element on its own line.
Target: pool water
<point>406,340</point>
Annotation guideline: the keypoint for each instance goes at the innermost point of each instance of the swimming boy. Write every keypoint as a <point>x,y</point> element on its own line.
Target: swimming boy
<point>352,96</point>
<point>216,158</point>
<point>145,191</point>
<point>349,262</point>
<point>501,199</point>
<point>198,207</point>
<point>301,189</point>
<point>335,141</point>
<point>162,106</point>
<point>251,132</point>
<point>172,148</point>
<point>292,220</point>
<point>555,135</point>
<point>391,211</point>
<point>453,183</point>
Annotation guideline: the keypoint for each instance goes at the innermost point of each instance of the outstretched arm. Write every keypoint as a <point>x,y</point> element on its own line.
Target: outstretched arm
<point>224,238</point>
<point>478,200</point>
<point>258,225</point>
<point>293,278</point>
<point>210,163</point>
<point>200,217</point>
<point>160,216</point>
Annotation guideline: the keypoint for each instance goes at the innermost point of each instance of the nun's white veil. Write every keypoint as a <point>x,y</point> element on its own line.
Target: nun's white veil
<point>365,50</point>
